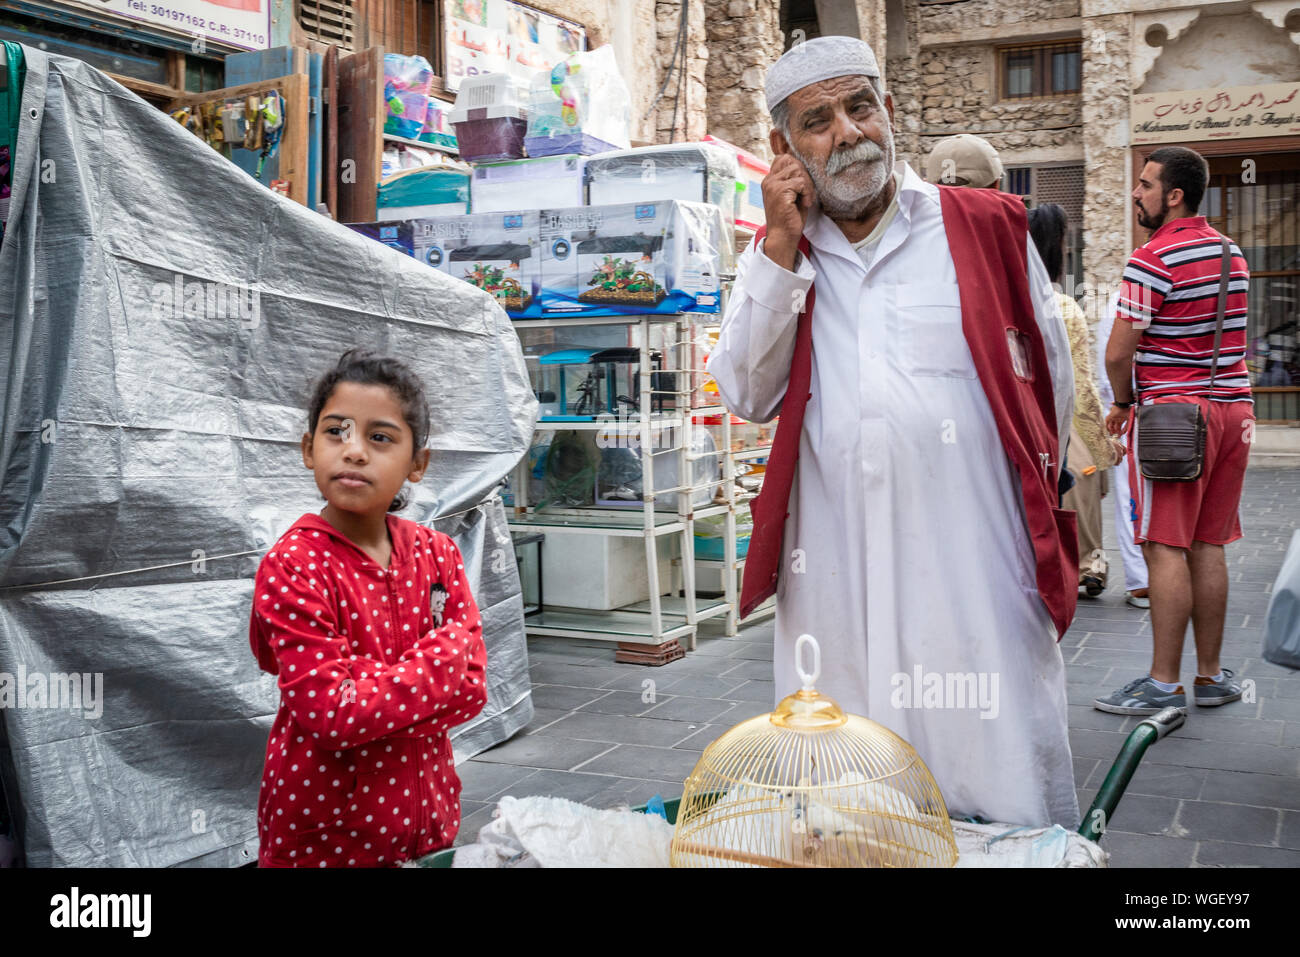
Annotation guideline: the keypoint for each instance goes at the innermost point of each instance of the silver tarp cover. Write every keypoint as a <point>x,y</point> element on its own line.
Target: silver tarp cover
<point>149,455</point>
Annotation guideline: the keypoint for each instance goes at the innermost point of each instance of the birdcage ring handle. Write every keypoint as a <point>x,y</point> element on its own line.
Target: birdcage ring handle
<point>808,679</point>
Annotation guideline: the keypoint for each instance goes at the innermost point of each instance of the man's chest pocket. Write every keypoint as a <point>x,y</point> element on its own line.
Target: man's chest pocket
<point>931,339</point>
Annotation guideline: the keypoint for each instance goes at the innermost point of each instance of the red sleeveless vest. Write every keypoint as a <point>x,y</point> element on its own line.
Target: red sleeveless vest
<point>986,233</point>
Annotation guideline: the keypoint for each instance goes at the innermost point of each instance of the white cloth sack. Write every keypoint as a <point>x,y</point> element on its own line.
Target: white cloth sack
<point>1005,845</point>
<point>553,832</point>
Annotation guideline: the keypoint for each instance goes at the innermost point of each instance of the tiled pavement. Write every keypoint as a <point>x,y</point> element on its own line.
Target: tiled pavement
<point>1224,790</point>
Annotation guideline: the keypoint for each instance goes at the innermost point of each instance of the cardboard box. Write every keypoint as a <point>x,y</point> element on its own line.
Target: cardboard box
<point>749,184</point>
<point>528,183</point>
<point>695,172</point>
<point>424,192</point>
<point>602,572</point>
<point>398,235</point>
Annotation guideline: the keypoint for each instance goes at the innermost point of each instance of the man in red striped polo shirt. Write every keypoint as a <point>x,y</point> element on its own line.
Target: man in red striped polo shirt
<point>1168,303</point>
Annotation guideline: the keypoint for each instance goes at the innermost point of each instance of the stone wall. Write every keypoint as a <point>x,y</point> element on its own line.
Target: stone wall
<point>744,38</point>
<point>1107,210</point>
<point>942,88</point>
<point>903,81</point>
<point>688,96</point>
<point>957,94</point>
<point>971,16</point>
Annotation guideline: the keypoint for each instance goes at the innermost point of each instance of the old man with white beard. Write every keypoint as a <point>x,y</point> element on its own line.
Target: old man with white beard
<point>908,337</point>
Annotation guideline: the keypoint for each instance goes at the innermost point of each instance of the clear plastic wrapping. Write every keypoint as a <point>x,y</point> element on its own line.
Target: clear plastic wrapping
<point>407,81</point>
<point>696,172</point>
<point>579,106</point>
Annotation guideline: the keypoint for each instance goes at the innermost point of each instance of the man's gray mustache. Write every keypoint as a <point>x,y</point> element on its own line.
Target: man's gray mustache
<point>866,151</point>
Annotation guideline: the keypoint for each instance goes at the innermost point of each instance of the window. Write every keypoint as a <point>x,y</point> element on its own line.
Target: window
<point>118,55</point>
<point>329,21</point>
<point>1262,219</point>
<point>1044,69</point>
<point>1062,184</point>
<point>1020,181</point>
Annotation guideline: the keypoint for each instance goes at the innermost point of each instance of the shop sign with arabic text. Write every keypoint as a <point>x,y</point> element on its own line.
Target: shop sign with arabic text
<point>1222,113</point>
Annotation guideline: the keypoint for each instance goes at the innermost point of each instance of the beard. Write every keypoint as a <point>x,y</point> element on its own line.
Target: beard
<point>852,179</point>
<point>1156,221</point>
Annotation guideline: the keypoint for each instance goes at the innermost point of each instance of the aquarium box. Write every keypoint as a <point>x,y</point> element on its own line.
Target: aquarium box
<point>423,192</point>
<point>633,258</point>
<point>495,251</point>
<point>399,235</point>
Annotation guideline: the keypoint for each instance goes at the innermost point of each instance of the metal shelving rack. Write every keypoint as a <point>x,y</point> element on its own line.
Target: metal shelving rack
<point>660,619</point>
<point>731,567</point>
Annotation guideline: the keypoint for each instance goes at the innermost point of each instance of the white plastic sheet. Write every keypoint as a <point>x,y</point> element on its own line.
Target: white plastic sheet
<point>1282,623</point>
<point>553,832</point>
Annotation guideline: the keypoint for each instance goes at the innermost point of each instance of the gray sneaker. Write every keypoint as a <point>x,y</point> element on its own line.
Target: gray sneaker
<point>1141,696</point>
<point>1208,693</point>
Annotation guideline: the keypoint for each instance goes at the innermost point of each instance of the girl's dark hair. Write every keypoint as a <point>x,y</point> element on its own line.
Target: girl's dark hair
<point>366,368</point>
<point>1047,228</point>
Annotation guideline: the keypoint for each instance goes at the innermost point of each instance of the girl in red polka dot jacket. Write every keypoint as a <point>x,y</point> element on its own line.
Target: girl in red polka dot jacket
<point>369,623</point>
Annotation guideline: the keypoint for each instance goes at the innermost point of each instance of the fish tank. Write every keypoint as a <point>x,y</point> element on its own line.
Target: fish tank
<point>621,271</point>
<point>582,385</point>
<point>495,268</point>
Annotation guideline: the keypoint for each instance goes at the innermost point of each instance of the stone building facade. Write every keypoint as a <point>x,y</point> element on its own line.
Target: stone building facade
<point>744,37</point>
<point>1138,60</point>
<point>942,70</point>
<point>1074,94</point>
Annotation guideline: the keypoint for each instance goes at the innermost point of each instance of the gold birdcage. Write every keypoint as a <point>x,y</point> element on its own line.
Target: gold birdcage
<point>811,786</point>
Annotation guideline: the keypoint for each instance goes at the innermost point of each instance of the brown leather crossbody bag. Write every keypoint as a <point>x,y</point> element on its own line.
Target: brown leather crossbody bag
<point>1171,436</point>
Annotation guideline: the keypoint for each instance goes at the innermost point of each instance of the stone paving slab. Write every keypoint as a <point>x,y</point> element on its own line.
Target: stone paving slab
<point>1223,791</point>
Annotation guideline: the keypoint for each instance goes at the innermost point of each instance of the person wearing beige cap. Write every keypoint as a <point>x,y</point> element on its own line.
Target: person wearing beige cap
<point>964,160</point>
<point>909,520</point>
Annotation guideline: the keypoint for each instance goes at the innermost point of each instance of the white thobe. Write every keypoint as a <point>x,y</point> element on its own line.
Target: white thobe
<point>906,550</point>
<point>1135,565</point>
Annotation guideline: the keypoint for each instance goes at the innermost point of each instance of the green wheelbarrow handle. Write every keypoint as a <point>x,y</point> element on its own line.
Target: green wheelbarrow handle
<point>1148,732</point>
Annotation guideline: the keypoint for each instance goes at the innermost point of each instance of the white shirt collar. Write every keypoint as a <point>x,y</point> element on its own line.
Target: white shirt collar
<point>822,232</point>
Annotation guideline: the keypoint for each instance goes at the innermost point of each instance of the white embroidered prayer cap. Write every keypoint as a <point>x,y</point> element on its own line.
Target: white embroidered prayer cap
<point>812,61</point>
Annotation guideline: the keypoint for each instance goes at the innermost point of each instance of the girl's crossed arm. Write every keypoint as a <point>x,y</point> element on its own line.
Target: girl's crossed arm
<point>348,701</point>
